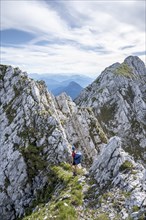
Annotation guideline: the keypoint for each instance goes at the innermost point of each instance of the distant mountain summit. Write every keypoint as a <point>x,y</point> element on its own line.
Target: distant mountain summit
<point>54,81</point>
<point>73,90</point>
<point>118,99</point>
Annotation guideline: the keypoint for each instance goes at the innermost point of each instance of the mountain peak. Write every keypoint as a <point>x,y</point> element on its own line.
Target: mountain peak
<point>136,64</point>
<point>73,89</point>
<point>132,59</point>
<point>73,83</point>
<point>118,99</point>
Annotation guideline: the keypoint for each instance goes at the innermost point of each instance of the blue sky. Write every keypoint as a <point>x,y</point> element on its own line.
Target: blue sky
<point>82,37</point>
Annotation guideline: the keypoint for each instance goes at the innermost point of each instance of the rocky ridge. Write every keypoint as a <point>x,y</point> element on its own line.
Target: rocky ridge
<point>113,189</point>
<point>36,132</point>
<point>118,99</point>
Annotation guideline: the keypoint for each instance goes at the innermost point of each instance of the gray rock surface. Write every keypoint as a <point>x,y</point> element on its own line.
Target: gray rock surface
<point>37,130</point>
<point>116,173</point>
<point>80,127</point>
<point>118,99</point>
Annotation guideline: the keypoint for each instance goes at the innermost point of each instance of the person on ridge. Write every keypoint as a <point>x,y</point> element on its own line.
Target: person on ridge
<point>76,159</point>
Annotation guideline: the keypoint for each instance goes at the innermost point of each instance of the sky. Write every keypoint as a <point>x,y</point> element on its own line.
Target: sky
<point>72,36</point>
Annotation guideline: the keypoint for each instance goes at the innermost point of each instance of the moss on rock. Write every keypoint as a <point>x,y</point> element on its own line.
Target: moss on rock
<point>33,159</point>
<point>126,166</point>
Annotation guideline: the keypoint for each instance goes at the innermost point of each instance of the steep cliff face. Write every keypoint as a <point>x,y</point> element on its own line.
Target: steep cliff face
<point>118,99</point>
<point>36,131</point>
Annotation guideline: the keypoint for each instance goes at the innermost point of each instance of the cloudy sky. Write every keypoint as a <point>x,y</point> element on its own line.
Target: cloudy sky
<point>75,36</point>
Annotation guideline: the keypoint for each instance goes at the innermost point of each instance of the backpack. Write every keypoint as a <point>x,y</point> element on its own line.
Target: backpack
<point>78,157</point>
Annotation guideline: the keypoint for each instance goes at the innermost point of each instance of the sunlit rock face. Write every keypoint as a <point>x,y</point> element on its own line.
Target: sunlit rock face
<point>118,99</point>
<point>117,174</point>
<point>37,130</point>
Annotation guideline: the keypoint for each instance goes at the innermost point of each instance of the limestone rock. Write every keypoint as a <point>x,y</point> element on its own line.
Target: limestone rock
<point>115,169</point>
<point>36,131</point>
<point>118,100</point>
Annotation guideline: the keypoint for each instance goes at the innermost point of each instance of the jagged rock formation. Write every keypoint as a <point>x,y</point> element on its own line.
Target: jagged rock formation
<point>116,172</point>
<point>81,127</point>
<point>36,130</point>
<point>118,99</point>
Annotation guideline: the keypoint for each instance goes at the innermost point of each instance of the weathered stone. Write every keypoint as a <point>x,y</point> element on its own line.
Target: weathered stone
<point>117,97</point>
<point>116,168</point>
<point>36,131</point>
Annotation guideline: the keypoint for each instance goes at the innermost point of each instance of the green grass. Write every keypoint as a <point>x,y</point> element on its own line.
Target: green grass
<point>33,159</point>
<point>62,175</point>
<point>135,208</point>
<point>71,188</point>
<point>126,194</point>
<point>102,216</point>
<point>10,112</point>
<point>65,212</point>
<point>17,91</point>
<point>108,111</point>
<point>124,70</point>
<point>66,166</point>
<point>126,166</point>
<point>63,200</point>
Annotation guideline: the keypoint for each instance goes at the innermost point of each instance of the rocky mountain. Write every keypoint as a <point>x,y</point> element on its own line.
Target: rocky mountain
<point>36,134</point>
<point>73,89</point>
<point>118,99</point>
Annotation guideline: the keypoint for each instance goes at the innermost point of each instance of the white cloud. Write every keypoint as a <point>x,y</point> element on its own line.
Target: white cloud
<point>110,26</point>
<point>31,16</point>
<point>125,11</point>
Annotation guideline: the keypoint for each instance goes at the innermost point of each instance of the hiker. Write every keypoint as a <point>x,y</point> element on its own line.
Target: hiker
<point>73,161</point>
<point>76,160</point>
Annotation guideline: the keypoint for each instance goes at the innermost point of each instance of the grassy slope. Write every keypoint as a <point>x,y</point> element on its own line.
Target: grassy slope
<point>63,199</point>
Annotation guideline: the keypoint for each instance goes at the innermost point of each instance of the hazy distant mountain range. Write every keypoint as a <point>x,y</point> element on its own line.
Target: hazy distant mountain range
<point>71,84</point>
<point>73,89</point>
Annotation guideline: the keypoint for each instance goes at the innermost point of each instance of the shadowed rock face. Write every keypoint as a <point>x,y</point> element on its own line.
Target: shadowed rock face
<point>118,99</point>
<point>36,131</point>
